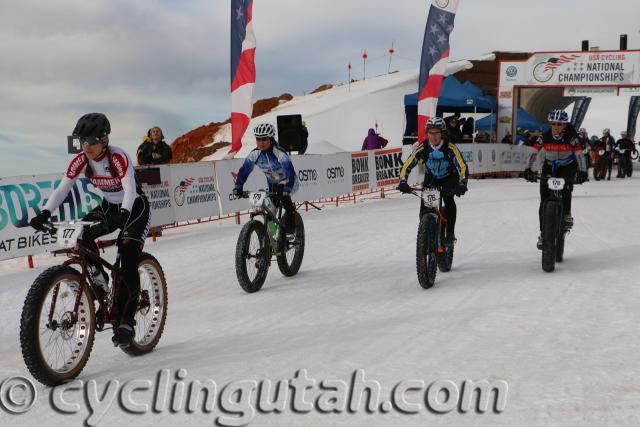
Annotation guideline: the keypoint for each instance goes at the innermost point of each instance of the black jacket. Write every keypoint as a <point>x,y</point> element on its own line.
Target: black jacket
<point>609,143</point>
<point>154,154</point>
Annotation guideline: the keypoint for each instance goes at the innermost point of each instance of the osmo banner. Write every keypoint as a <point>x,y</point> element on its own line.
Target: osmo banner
<point>193,186</point>
<point>312,180</point>
<point>22,198</point>
<point>336,170</point>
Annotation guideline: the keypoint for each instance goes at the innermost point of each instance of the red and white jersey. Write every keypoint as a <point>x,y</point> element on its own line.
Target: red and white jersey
<point>120,190</point>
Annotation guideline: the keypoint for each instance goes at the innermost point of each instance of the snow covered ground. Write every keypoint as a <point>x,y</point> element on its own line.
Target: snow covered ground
<point>567,343</point>
<point>341,116</point>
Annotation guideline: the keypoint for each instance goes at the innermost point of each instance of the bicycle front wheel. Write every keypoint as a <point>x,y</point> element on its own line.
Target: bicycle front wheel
<point>426,251</point>
<point>253,255</point>
<point>56,350</point>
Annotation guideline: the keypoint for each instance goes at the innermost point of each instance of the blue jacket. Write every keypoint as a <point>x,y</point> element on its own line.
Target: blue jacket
<point>276,165</point>
<point>440,163</point>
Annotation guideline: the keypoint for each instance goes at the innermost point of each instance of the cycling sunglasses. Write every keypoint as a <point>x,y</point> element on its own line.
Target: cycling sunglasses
<point>92,140</point>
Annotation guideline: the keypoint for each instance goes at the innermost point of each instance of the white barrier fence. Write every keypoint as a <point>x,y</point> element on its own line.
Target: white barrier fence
<point>199,190</point>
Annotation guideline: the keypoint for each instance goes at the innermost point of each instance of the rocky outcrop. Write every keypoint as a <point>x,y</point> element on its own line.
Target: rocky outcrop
<point>196,144</point>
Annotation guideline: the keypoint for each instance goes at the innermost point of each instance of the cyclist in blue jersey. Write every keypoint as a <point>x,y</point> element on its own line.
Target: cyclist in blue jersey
<point>444,167</point>
<point>276,164</point>
<point>558,149</point>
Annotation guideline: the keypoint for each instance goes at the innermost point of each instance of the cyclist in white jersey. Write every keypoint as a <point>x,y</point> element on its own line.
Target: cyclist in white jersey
<point>124,206</point>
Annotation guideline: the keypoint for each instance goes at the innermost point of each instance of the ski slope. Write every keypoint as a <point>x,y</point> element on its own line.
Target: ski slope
<point>339,118</point>
<point>567,343</point>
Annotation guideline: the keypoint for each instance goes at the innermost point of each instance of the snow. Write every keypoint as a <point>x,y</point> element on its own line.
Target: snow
<point>567,342</point>
<point>342,115</point>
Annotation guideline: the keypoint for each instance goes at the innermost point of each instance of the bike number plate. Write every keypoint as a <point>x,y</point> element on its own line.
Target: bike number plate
<point>257,199</point>
<point>430,197</point>
<point>556,183</point>
<point>68,235</point>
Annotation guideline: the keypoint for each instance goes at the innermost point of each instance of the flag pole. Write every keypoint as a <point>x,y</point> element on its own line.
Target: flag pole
<point>364,65</point>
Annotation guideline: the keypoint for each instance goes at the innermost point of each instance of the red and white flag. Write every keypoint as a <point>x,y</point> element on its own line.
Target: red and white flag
<point>433,63</point>
<point>243,71</point>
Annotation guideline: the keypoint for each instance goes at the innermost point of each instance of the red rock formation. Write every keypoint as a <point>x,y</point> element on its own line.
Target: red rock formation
<point>322,88</point>
<point>192,146</point>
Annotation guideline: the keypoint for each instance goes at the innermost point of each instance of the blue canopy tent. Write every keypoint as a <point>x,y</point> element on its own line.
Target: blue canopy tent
<point>523,120</point>
<point>454,97</point>
<point>470,87</point>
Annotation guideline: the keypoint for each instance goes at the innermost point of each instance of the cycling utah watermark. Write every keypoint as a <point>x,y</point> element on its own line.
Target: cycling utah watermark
<point>238,402</point>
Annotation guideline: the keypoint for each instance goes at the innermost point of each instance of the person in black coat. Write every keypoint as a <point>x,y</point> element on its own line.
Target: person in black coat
<point>153,150</point>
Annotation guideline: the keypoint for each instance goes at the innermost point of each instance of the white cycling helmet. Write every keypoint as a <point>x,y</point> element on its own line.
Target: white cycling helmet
<point>264,130</point>
<point>436,123</point>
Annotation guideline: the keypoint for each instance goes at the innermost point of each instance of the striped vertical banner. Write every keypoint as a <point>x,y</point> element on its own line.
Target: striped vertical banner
<point>435,55</point>
<point>243,71</point>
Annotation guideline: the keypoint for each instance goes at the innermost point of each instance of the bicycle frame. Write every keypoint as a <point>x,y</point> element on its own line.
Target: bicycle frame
<point>268,216</point>
<point>441,221</point>
<point>555,196</point>
<point>78,256</point>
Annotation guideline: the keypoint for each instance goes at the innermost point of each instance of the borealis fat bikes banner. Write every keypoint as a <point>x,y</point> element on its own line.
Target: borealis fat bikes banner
<point>200,190</point>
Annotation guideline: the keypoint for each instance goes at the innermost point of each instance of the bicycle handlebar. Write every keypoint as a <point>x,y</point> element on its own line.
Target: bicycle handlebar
<point>245,194</point>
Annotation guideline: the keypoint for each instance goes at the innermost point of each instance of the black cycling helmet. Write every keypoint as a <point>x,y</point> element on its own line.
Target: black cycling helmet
<point>92,125</point>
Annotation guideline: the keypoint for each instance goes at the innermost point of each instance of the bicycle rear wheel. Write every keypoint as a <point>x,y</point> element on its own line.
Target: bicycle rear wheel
<point>445,259</point>
<point>290,261</point>
<point>152,307</point>
<point>560,247</point>
<point>56,351</point>
<point>550,230</point>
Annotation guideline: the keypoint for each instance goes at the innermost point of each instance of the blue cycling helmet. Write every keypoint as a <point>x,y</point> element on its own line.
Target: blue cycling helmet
<point>558,116</point>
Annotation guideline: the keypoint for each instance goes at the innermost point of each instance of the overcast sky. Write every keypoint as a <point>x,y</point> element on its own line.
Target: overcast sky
<point>166,63</point>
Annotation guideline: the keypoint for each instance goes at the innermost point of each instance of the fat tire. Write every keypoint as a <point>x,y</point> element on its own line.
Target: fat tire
<point>30,325</point>
<point>445,260</point>
<point>550,229</point>
<point>426,251</point>
<point>296,262</point>
<point>242,248</point>
<point>135,348</point>
<point>560,247</point>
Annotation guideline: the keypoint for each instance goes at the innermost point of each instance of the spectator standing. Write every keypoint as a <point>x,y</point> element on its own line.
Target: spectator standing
<point>371,142</point>
<point>153,150</point>
<point>609,144</point>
